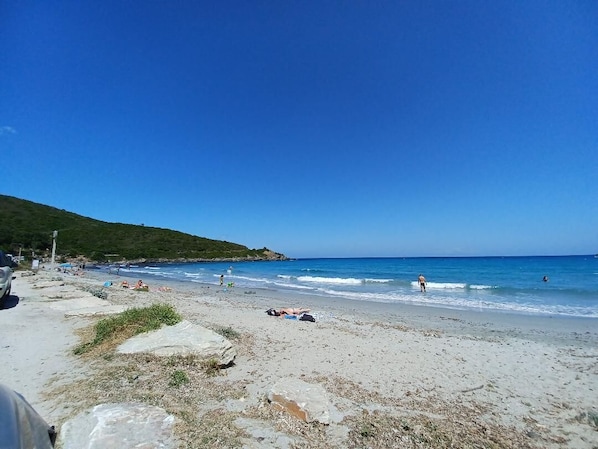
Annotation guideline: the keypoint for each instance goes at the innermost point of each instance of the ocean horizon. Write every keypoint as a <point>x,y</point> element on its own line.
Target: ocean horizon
<point>512,284</point>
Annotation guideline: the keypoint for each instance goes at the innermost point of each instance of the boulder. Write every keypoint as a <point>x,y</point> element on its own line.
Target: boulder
<point>300,399</point>
<point>123,426</point>
<point>184,338</point>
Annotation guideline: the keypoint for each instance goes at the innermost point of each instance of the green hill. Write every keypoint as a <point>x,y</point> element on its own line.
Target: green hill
<point>29,226</point>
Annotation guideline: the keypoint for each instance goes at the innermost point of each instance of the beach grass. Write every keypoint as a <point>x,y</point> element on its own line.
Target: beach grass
<point>131,322</point>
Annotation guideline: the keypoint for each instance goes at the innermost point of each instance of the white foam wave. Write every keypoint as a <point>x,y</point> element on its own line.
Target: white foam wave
<point>378,281</point>
<point>440,285</point>
<point>325,280</point>
<point>293,286</point>
<point>251,279</point>
<point>462,304</point>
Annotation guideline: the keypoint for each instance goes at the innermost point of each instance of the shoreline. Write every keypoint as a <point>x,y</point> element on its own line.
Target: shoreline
<point>567,327</point>
<point>457,294</point>
<point>527,375</point>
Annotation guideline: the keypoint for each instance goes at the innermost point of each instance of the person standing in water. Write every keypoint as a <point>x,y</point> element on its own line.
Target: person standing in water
<point>422,282</point>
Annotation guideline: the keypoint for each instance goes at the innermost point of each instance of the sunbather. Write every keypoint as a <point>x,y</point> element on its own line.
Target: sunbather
<point>287,311</point>
<point>140,285</point>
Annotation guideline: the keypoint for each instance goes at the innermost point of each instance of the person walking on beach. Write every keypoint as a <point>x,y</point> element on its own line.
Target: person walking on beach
<point>221,280</point>
<point>422,282</point>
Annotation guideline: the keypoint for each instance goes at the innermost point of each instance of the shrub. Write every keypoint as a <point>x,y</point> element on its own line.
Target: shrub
<point>178,378</point>
<point>211,367</point>
<point>228,332</point>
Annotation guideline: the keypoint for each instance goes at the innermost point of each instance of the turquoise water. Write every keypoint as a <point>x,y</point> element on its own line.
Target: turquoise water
<point>508,284</point>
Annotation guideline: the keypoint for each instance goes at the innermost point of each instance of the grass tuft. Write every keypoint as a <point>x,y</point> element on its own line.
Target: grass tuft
<point>229,333</point>
<point>178,378</point>
<point>129,323</point>
<point>211,367</point>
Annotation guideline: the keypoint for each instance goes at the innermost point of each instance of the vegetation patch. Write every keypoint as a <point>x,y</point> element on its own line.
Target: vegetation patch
<point>459,429</point>
<point>98,292</point>
<point>228,332</point>
<point>25,225</point>
<point>178,378</point>
<point>211,367</point>
<point>177,384</point>
<point>131,322</point>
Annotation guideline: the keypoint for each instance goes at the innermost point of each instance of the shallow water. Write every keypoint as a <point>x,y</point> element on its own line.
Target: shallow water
<point>507,284</point>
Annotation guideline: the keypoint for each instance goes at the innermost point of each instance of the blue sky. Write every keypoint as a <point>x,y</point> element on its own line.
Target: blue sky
<point>316,129</point>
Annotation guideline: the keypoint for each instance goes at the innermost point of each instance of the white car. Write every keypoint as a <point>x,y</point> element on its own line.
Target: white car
<point>6,277</point>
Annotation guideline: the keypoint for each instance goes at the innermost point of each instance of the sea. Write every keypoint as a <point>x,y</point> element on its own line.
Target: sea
<point>493,284</point>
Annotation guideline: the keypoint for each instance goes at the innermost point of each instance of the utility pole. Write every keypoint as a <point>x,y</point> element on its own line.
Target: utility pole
<point>54,235</point>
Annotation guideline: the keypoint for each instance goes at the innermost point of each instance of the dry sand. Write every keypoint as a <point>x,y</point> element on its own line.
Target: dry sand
<point>533,377</point>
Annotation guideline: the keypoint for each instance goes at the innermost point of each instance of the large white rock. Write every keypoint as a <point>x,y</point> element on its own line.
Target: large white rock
<point>122,426</point>
<point>307,402</point>
<point>184,338</point>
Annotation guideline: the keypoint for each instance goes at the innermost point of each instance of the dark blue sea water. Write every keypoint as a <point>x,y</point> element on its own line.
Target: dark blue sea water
<point>508,284</point>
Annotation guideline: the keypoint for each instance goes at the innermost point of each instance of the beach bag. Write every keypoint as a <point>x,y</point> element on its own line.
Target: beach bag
<point>307,317</point>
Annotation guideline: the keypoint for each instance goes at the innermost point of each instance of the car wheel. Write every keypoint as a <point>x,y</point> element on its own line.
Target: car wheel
<point>4,297</point>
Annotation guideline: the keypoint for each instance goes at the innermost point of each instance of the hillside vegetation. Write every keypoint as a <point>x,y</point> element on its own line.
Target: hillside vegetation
<point>29,226</point>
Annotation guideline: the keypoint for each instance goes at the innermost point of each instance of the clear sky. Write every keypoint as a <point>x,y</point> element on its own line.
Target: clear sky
<point>314,128</point>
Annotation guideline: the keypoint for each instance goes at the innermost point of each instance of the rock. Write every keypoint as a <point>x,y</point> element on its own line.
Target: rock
<point>123,426</point>
<point>304,401</point>
<point>184,338</point>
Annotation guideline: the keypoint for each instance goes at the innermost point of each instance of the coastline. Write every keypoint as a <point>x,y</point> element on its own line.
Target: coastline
<point>503,285</point>
<point>568,329</point>
<point>532,376</point>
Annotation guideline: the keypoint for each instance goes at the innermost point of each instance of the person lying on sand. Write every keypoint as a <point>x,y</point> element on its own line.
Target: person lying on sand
<point>287,311</point>
<point>140,285</point>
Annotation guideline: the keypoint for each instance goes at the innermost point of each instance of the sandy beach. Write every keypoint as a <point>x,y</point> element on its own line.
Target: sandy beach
<point>514,380</point>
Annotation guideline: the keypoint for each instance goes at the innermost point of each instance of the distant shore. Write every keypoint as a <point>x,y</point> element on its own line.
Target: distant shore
<point>519,369</point>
